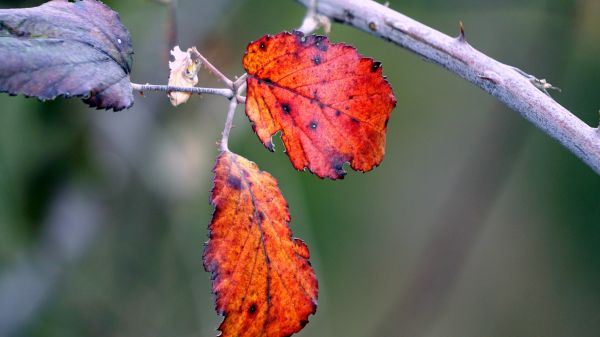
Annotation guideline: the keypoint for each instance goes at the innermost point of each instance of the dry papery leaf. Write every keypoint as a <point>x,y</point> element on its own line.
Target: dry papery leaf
<point>184,73</point>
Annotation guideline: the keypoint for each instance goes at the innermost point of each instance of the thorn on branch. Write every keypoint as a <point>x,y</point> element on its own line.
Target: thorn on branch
<point>461,26</point>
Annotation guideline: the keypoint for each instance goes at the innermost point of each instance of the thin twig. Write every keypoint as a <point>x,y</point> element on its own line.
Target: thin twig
<point>313,21</point>
<point>241,80</point>
<point>228,125</point>
<point>171,23</point>
<point>458,56</point>
<point>309,23</point>
<point>194,90</point>
<point>214,70</point>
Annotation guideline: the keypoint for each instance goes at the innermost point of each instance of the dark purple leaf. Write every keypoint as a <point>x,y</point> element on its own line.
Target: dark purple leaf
<point>73,49</point>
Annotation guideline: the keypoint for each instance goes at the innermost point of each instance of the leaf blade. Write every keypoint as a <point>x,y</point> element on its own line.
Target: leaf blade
<point>77,49</point>
<point>262,279</point>
<point>330,103</point>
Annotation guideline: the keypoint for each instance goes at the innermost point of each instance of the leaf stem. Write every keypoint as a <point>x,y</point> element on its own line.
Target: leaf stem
<point>228,125</point>
<point>214,70</point>
<point>309,23</point>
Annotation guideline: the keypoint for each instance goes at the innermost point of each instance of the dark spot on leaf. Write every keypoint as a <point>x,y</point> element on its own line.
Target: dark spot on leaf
<point>267,80</point>
<point>350,97</point>
<point>386,122</point>
<point>252,309</point>
<point>337,164</point>
<point>270,147</point>
<point>312,125</point>
<point>262,46</point>
<point>354,120</point>
<point>234,182</point>
<point>321,105</point>
<point>300,38</point>
<point>317,60</point>
<point>319,43</point>
<point>303,323</point>
<point>286,108</point>
<point>338,113</point>
<point>375,66</point>
<point>320,46</point>
<point>260,216</point>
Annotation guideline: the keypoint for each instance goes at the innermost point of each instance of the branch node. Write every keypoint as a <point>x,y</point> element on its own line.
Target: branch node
<point>372,26</point>
<point>313,21</point>
<point>542,84</point>
<point>491,76</point>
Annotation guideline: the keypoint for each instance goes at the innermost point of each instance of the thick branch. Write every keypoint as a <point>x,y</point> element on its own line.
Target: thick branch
<point>500,80</point>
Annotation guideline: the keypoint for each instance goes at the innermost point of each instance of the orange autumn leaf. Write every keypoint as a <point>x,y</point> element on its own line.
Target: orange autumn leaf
<point>262,279</point>
<point>331,104</point>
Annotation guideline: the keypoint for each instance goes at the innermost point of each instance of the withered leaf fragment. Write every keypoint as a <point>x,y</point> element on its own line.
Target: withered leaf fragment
<point>184,73</point>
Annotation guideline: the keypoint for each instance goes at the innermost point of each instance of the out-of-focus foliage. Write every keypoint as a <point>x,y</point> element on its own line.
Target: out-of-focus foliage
<point>71,49</point>
<point>103,215</point>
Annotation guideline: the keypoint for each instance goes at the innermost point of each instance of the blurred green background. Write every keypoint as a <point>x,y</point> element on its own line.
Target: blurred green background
<point>475,224</point>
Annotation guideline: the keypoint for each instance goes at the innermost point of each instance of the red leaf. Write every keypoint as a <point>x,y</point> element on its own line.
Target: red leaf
<point>262,278</point>
<point>331,104</point>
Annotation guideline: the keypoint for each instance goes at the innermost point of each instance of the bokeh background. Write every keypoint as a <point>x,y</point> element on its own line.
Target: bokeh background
<point>476,223</point>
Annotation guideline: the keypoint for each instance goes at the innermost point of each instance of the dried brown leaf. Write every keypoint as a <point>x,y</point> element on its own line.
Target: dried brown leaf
<point>184,73</point>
